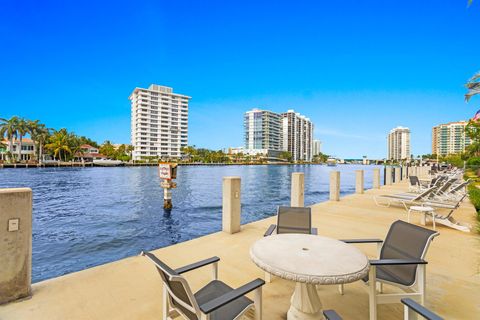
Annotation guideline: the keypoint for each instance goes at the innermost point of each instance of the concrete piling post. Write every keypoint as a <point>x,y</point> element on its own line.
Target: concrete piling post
<point>298,190</point>
<point>335,186</point>
<point>15,244</point>
<point>376,179</point>
<point>231,204</point>
<point>359,181</point>
<point>388,176</point>
<point>397,175</point>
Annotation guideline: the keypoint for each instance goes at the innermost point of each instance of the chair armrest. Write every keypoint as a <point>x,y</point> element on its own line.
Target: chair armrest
<point>421,310</point>
<point>396,262</point>
<point>362,241</point>
<point>197,265</point>
<point>270,230</point>
<point>230,296</point>
<point>314,231</point>
<point>331,315</point>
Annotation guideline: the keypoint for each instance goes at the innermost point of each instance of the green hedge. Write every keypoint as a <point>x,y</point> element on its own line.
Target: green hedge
<point>474,194</point>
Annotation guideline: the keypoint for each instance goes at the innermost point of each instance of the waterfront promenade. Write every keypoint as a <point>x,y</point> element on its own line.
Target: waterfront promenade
<point>131,288</point>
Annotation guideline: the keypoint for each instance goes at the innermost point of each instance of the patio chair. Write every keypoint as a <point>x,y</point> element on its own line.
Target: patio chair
<point>411,310</point>
<point>292,220</point>
<point>215,301</point>
<point>414,185</point>
<point>401,264</point>
<point>403,198</point>
<point>456,192</point>
<point>448,221</point>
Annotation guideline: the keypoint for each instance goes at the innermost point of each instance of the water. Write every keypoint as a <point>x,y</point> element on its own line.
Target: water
<point>84,217</point>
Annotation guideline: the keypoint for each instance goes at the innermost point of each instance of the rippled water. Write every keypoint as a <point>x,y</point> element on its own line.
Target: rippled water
<point>83,217</point>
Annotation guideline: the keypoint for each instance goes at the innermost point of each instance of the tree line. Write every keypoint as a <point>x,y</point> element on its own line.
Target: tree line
<point>60,144</point>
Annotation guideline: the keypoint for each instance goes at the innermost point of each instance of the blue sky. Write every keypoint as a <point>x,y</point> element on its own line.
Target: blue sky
<point>356,68</point>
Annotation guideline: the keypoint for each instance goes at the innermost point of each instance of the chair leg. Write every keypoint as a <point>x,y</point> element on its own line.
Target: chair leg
<point>380,287</point>
<point>372,292</point>
<point>341,288</point>
<point>165,309</point>
<point>215,270</point>
<point>408,215</point>
<point>422,285</point>
<point>257,300</point>
<point>268,277</point>
<point>409,314</point>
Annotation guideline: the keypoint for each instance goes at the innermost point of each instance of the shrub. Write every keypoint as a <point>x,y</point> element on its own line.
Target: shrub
<point>474,161</point>
<point>474,194</point>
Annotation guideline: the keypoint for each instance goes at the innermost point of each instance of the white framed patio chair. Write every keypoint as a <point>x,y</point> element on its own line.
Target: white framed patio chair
<point>215,301</point>
<point>401,264</point>
<point>411,312</point>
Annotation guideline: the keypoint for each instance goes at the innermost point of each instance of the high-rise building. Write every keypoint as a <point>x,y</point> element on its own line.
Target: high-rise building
<point>263,130</point>
<point>297,136</point>
<point>450,138</point>
<point>159,122</point>
<point>398,142</point>
<point>317,147</point>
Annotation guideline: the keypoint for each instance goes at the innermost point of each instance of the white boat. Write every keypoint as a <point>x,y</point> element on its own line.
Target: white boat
<point>107,162</point>
<point>331,162</point>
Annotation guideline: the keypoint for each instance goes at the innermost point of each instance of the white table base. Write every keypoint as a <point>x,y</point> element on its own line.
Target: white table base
<point>305,303</point>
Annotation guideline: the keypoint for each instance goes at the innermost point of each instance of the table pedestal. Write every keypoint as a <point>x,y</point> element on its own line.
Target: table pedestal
<point>305,303</point>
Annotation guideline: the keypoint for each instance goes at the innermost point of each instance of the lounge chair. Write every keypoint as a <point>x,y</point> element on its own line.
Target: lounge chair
<point>455,192</point>
<point>215,301</point>
<point>401,264</point>
<point>415,185</point>
<point>411,310</point>
<point>292,220</point>
<point>448,221</point>
<point>403,198</point>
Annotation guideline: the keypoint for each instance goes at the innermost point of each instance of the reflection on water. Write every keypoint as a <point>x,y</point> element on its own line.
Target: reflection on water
<point>83,217</point>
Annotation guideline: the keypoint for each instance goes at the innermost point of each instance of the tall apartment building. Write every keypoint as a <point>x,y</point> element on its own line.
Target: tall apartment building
<point>398,142</point>
<point>317,147</point>
<point>262,130</point>
<point>450,138</point>
<point>159,122</point>
<point>297,131</point>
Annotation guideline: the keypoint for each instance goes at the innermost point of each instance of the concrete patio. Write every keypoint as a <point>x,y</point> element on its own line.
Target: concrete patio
<point>131,288</point>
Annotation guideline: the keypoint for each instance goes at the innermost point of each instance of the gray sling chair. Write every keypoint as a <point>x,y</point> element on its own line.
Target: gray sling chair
<point>411,310</point>
<point>215,301</point>
<point>401,264</point>
<point>415,185</point>
<point>292,220</point>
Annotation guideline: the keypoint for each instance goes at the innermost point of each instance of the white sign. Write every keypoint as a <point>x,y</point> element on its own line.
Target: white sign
<point>164,171</point>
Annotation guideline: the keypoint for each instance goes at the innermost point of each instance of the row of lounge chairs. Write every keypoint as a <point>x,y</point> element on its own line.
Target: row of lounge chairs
<point>442,192</point>
<point>401,263</point>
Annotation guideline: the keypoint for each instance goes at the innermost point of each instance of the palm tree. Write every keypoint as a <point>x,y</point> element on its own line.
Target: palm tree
<point>39,134</point>
<point>22,130</point>
<point>59,144</point>
<point>473,86</point>
<point>8,129</point>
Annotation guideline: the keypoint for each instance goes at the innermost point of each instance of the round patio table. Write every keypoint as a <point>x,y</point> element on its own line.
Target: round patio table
<point>309,260</point>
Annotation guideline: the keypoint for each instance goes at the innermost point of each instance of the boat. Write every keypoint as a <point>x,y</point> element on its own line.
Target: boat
<point>331,162</point>
<point>107,162</point>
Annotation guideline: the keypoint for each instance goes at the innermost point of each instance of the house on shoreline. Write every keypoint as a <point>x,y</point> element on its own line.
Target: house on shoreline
<point>88,153</point>
<point>27,153</point>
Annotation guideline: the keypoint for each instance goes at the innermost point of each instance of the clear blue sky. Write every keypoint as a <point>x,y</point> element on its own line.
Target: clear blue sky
<point>356,68</point>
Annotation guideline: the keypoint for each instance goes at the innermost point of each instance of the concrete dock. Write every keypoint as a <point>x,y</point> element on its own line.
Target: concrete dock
<point>132,289</point>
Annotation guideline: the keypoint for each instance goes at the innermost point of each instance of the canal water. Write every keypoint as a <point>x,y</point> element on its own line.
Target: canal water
<point>84,217</point>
